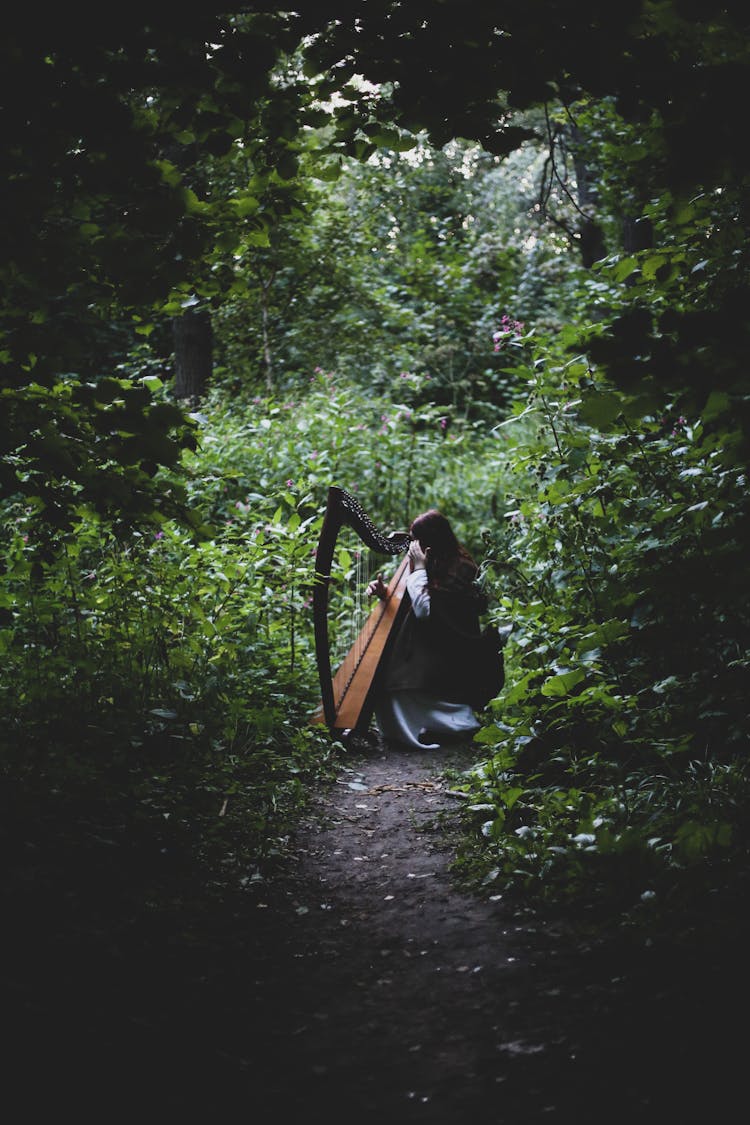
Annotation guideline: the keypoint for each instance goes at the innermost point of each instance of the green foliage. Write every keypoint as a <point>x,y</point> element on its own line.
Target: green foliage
<point>168,679</point>
<point>612,541</point>
<point>97,445</point>
<point>621,564</point>
<point>159,157</point>
<point>406,264</point>
<point>132,664</point>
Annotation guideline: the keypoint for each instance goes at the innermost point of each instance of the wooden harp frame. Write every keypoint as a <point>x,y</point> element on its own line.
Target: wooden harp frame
<point>346,697</point>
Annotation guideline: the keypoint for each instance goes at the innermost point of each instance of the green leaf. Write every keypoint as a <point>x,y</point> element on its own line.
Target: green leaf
<point>624,268</point>
<point>490,735</point>
<point>718,403</point>
<point>563,683</point>
<point>510,796</point>
<point>600,408</point>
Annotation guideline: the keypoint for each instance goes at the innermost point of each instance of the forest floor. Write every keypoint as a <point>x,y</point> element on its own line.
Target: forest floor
<point>363,983</point>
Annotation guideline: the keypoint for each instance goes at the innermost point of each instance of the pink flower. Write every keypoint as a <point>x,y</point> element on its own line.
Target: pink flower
<point>507,328</point>
<point>289,483</point>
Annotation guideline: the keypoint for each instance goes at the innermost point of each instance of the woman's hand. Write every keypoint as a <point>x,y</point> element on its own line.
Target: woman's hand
<point>377,588</point>
<point>417,557</point>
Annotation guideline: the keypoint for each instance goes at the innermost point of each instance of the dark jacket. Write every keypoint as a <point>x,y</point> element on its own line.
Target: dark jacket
<point>435,654</point>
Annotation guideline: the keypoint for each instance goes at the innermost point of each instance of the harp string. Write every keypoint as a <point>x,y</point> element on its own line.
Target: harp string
<point>360,578</point>
<point>349,604</point>
<point>340,600</point>
<point>363,615</point>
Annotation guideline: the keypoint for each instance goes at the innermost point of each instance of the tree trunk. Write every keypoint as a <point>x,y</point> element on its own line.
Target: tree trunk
<point>193,352</point>
<point>267,360</point>
<point>265,301</point>
<point>591,243</point>
<point>591,237</point>
<point>637,234</point>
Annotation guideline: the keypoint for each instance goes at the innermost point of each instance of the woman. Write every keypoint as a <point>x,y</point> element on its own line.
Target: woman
<point>424,698</point>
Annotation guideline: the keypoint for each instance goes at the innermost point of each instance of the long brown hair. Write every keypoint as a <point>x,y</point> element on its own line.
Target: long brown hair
<point>448,560</point>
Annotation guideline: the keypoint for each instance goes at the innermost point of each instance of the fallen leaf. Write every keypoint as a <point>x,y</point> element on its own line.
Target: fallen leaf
<point>519,1048</point>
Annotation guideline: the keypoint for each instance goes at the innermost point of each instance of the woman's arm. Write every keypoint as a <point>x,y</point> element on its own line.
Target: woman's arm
<point>416,584</point>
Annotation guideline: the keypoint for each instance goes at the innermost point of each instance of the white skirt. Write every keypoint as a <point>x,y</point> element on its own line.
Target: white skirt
<point>423,722</point>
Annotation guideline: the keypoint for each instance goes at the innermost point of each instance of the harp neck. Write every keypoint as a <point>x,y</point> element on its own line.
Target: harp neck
<point>343,509</point>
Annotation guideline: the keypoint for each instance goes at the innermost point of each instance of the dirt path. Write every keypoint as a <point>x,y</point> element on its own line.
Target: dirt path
<point>393,996</point>
<point>393,1011</point>
<point>359,984</point>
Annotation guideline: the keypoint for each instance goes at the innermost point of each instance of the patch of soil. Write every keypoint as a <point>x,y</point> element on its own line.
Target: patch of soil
<point>362,983</point>
<point>407,999</point>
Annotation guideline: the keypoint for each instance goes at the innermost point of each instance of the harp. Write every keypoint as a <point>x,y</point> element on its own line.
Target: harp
<point>347,697</point>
